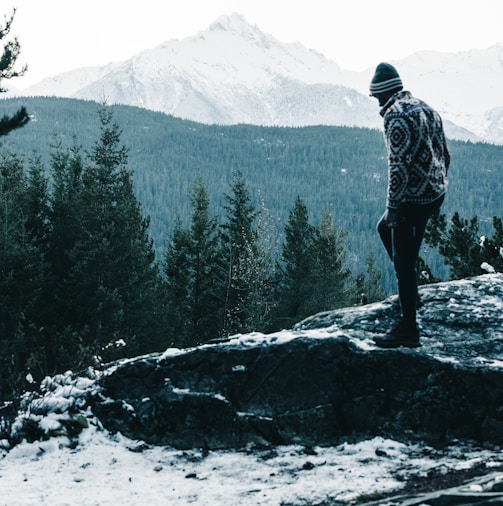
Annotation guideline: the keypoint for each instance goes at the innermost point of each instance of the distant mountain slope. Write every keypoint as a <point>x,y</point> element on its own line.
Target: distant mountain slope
<point>69,83</point>
<point>465,86</point>
<point>342,170</point>
<point>234,73</point>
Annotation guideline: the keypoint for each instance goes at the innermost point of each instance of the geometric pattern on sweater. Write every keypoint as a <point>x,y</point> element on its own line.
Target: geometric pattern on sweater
<point>418,157</point>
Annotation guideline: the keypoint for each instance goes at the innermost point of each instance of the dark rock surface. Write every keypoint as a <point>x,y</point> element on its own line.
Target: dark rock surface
<point>485,490</point>
<point>325,380</point>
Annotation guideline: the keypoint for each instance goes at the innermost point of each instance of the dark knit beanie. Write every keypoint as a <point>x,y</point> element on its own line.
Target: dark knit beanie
<point>385,79</point>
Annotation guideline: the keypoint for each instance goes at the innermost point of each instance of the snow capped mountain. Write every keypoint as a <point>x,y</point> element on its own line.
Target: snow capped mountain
<point>230,73</point>
<point>69,83</point>
<point>234,73</point>
<point>464,86</point>
<point>493,124</point>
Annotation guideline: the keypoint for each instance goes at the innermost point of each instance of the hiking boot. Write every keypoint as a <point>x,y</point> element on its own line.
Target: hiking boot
<point>400,334</point>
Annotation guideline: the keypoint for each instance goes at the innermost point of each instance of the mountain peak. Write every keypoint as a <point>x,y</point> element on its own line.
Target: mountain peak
<point>236,25</point>
<point>233,72</point>
<point>233,23</point>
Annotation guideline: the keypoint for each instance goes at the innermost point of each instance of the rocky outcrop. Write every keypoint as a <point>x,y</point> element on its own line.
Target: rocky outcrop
<point>486,490</point>
<point>325,380</point>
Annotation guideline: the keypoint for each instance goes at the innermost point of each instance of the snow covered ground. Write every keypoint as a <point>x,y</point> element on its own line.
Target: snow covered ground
<point>106,469</point>
<point>109,470</point>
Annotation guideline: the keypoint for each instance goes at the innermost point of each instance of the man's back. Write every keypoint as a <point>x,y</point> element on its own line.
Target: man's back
<point>417,151</point>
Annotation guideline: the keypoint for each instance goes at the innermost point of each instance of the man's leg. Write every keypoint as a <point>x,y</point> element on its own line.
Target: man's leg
<point>405,248</point>
<point>406,241</point>
<point>385,234</point>
<point>407,237</point>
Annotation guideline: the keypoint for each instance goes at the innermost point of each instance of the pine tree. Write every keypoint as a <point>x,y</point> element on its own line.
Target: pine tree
<point>329,277</point>
<point>368,287</point>
<point>215,290</point>
<point>296,288</point>
<point>493,246</point>
<point>260,273</point>
<point>36,204</point>
<point>239,239</point>
<point>8,58</point>
<point>205,257</point>
<point>37,201</point>
<point>67,168</point>
<point>177,270</point>
<point>463,248</point>
<point>22,272</point>
<point>192,267</point>
<point>62,343</point>
<point>425,275</point>
<point>112,271</point>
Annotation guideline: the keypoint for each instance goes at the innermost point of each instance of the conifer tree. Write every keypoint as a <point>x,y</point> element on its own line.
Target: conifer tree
<point>262,273</point>
<point>63,344</point>
<point>239,241</point>
<point>296,288</point>
<point>112,270</point>
<point>37,200</point>
<point>425,275</point>
<point>192,266</point>
<point>37,227</point>
<point>67,168</point>
<point>205,256</point>
<point>458,244</point>
<point>463,248</point>
<point>22,272</point>
<point>329,279</point>
<point>368,287</point>
<point>8,58</point>
<point>177,270</point>
<point>493,246</point>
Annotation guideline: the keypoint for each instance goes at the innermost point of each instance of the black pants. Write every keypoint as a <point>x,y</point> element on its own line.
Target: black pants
<point>402,244</point>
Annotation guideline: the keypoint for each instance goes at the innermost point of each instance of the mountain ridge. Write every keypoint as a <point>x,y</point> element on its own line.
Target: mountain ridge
<point>233,73</point>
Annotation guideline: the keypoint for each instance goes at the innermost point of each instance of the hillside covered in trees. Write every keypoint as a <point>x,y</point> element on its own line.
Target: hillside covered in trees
<point>334,169</point>
<point>253,229</point>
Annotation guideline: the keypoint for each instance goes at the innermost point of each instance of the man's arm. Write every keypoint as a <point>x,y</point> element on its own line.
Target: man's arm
<point>398,143</point>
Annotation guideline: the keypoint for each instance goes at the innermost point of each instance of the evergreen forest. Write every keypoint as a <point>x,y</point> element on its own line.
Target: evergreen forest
<point>338,170</point>
<point>126,231</point>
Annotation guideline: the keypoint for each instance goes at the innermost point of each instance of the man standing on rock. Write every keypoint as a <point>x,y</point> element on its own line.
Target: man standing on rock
<point>418,162</point>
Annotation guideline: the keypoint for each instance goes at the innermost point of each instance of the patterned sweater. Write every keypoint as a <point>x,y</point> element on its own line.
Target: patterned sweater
<point>418,158</point>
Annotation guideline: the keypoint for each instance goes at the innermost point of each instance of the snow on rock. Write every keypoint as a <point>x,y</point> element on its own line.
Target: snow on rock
<point>58,408</point>
<point>325,380</point>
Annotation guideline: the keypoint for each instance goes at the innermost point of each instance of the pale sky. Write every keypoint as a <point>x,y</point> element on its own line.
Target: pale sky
<point>61,35</point>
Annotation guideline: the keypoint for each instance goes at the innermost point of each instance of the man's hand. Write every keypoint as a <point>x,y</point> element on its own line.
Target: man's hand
<point>392,218</point>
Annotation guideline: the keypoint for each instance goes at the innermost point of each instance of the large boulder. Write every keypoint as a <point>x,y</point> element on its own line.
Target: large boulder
<point>325,379</point>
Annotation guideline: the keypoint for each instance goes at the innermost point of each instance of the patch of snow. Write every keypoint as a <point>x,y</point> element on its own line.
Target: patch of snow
<point>487,267</point>
<point>490,363</point>
<point>107,470</point>
<point>447,360</point>
<point>364,344</point>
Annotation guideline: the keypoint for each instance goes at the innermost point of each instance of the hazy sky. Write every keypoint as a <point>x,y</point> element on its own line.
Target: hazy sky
<point>61,35</point>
